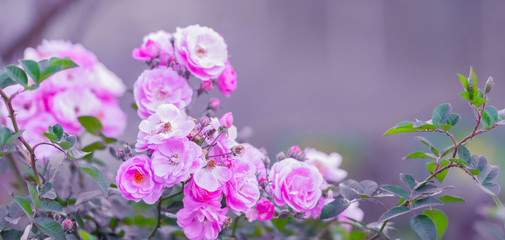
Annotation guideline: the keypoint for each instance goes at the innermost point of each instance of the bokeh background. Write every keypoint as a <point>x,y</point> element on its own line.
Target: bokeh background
<point>334,75</point>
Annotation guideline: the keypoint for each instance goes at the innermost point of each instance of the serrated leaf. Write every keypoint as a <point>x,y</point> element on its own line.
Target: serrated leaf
<point>32,69</point>
<point>33,195</point>
<point>438,217</point>
<point>408,180</point>
<point>396,190</point>
<point>25,205</point>
<point>441,114</point>
<point>50,206</point>
<point>478,101</point>
<point>91,124</point>
<point>418,155</point>
<point>492,173</point>
<point>98,176</point>
<point>394,212</point>
<point>466,95</point>
<point>426,202</point>
<point>449,199</point>
<point>17,74</point>
<point>50,227</point>
<point>333,209</point>
<point>424,227</point>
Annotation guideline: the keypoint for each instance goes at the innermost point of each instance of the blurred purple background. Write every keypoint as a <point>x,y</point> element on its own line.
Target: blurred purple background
<point>328,74</point>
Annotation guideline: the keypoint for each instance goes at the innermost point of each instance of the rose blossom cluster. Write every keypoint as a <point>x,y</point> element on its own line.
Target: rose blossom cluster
<point>89,90</point>
<point>203,155</point>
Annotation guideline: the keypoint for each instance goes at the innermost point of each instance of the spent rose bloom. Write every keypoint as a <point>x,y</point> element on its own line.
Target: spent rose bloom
<point>327,164</point>
<point>159,86</point>
<point>175,160</point>
<point>201,222</point>
<point>136,182</point>
<point>297,184</point>
<point>227,81</point>
<point>168,122</point>
<point>156,44</point>
<point>202,50</point>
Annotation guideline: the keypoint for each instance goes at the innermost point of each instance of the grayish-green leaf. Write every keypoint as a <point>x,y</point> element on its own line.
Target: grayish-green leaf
<point>32,68</point>
<point>50,206</point>
<point>33,194</point>
<point>98,176</point>
<point>17,74</point>
<point>426,202</point>
<point>449,199</point>
<point>441,114</point>
<point>91,124</point>
<point>25,205</point>
<point>14,137</point>
<point>5,134</point>
<point>394,212</point>
<point>50,227</point>
<point>438,217</point>
<point>408,180</point>
<point>419,155</point>
<point>424,227</point>
<point>396,190</point>
<point>333,209</point>
<point>76,154</point>
<point>464,154</point>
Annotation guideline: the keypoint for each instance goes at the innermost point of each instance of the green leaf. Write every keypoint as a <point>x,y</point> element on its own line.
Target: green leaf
<point>394,212</point>
<point>65,145</point>
<point>464,81</point>
<point>98,176</point>
<point>57,130</point>
<point>50,206</point>
<point>429,145</point>
<point>445,127</point>
<point>441,176</point>
<point>458,161</point>
<point>449,199</point>
<point>453,119</point>
<point>54,66</point>
<point>426,202</point>
<point>493,113</point>
<point>474,171</point>
<point>486,121</point>
<point>472,81</point>
<point>466,95</point>
<point>14,137</point>
<point>396,190</point>
<point>50,136</point>
<point>76,154</point>
<point>334,208</point>
<point>5,134</point>
<point>464,154</point>
<point>404,127</point>
<point>32,68</point>
<point>91,124</point>
<point>478,101</point>
<point>93,146</point>
<point>438,217</point>
<point>25,205</point>
<point>50,227</point>
<point>441,114</point>
<point>408,180</point>
<point>63,63</point>
<point>33,195</point>
<point>424,227</point>
<point>280,224</point>
<point>17,74</point>
<point>491,188</point>
<point>357,235</point>
<point>418,155</point>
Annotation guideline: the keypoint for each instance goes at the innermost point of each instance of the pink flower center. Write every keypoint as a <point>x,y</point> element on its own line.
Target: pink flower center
<point>138,177</point>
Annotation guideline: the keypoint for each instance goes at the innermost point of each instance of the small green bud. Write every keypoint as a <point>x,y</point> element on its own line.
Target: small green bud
<point>489,85</point>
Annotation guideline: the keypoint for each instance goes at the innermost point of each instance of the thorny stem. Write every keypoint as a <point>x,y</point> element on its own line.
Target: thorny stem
<point>158,220</point>
<point>8,103</point>
<point>215,140</point>
<point>219,155</point>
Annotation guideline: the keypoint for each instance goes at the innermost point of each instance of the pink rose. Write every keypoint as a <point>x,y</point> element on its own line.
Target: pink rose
<point>206,85</point>
<point>256,157</point>
<point>327,164</point>
<point>214,103</point>
<point>136,182</point>
<point>227,81</point>
<point>33,134</point>
<point>265,209</point>
<point>226,120</point>
<point>202,222</point>
<point>296,183</point>
<point>111,116</point>
<point>194,194</point>
<point>175,160</point>
<point>242,191</point>
<point>212,176</point>
<point>168,122</point>
<point>156,44</point>
<point>202,50</point>
<point>159,86</point>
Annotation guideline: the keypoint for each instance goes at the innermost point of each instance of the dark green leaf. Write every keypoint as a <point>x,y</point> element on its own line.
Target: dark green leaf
<point>50,227</point>
<point>50,136</point>
<point>91,124</point>
<point>280,224</point>
<point>486,121</point>
<point>426,202</point>
<point>418,155</point>
<point>453,119</point>
<point>94,146</point>
<point>438,217</point>
<point>408,180</point>
<point>464,154</point>
<point>396,190</point>
<point>98,176</point>
<point>58,131</point>
<point>33,195</point>
<point>449,199</point>
<point>394,212</point>
<point>333,209</point>
<point>441,114</point>
<point>25,205</point>
<point>424,227</point>
<point>32,68</point>
<point>76,154</point>
<point>50,206</point>
<point>17,74</point>
<point>47,191</point>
